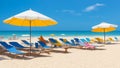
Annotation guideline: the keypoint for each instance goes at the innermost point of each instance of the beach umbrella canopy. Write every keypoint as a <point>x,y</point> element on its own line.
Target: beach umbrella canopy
<point>30,18</point>
<point>104,27</point>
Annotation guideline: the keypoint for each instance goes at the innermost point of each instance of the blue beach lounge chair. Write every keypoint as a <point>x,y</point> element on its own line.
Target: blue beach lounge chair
<point>58,44</point>
<point>55,42</point>
<point>116,38</point>
<point>83,40</point>
<point>11,49</point>
<point>27,43</point>
<point>73,42</point>
<point>88,40</point>
<point>17,45</point>
<point>87,45</point>
<point>78,42</point>
<point>84,44</point>
<point>43,47</point>
<point>65,41</point>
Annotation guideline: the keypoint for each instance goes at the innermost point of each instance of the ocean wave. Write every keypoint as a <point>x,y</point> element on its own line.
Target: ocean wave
<point>25,35</point>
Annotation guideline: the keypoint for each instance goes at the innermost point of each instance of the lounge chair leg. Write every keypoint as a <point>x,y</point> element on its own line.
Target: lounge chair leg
<point>2,52</point>
<point>23,56</point>
<point>15,56</point>
<point>66,50</point>
<point>40,52</point>
<point>29,53</point>
<point>45,51</point>
<point>85,48</point>
<point>49,53</point>
<point>80,47</point>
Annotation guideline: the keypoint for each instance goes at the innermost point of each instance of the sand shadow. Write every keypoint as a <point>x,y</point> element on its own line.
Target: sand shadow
<point>112,43</point>
<point>94,49</point>
<point>12,56</point>
<point>2,58</point>
<point>59,51</point>
<point>27,56</point>
<point>100,49</point>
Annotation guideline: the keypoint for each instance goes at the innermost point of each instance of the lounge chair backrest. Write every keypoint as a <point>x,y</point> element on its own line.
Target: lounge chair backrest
<point>83,40</point>
<point>26,42</point>
<point>10,48</point>
<point>16,44</point>
<point>116,38</point>
<point>77,40</point>
<point>5,45</point>
<point>52,40</point>
<point>42,39</point>
<point>36,45</point>
<point>99,39</point>
<point>73,42</point>
<point>61,39</point>
<point>14,50</point>
<point>42,43</point>
<point>110,39</point>
<point>55,42</point>
<point>66,41</point>
<point>88,39</point>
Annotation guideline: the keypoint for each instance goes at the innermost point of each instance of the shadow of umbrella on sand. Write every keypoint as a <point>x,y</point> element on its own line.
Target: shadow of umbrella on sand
<point>30,19</point>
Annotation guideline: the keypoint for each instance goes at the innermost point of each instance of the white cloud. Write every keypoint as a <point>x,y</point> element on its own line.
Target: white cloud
<point>72,12</point>
<point>93,7</point>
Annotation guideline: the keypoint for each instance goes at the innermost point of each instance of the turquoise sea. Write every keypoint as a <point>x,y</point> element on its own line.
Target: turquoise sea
<point>56,33</point>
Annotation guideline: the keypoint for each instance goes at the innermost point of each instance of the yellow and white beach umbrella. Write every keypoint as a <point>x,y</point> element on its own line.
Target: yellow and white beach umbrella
<point>104,27</point>
<point>30,18</point>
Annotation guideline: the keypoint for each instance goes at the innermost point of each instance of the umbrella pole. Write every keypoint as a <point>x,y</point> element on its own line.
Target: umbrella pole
<point>104,35</point>
<point>30,37</point>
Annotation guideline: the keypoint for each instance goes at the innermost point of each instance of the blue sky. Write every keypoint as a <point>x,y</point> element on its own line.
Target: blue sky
<point>71,15</point>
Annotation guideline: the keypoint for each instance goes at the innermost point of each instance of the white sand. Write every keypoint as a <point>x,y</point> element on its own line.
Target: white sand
<point>107,57</point>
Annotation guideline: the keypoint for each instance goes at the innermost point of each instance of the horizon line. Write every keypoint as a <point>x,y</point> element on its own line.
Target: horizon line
<point>46,30</point>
